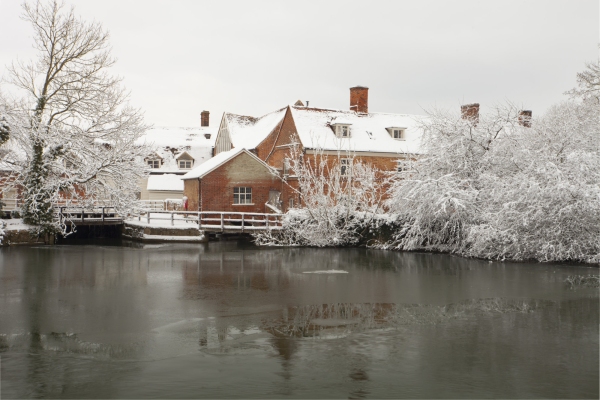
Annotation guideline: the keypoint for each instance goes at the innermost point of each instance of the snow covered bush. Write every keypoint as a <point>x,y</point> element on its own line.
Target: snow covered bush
<point>339,201</point>
<point>496,188</point>
<point>72,132</point>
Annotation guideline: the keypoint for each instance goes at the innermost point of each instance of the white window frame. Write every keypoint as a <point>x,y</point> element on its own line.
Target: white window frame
<point>398,134</point>
<point>345,166</point>
<point>342,131</point>
<point>184,162</point>
<point>153,164</point>
<point>242,195</point>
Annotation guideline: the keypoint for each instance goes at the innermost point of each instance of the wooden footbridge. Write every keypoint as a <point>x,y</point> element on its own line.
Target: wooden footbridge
<point>214,221</point>
<point>208,221</point>
<point>154,214</point>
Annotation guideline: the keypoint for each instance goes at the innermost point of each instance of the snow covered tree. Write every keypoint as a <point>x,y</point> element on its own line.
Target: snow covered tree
<point>500,188</point>
<point>588,84</point>
<point>341,198</point>
<point>72,130</point>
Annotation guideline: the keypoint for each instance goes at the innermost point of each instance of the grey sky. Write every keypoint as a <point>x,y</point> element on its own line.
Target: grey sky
<point>252,57</point>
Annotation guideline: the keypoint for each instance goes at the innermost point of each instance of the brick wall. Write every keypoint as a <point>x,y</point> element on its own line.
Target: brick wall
<point>216,189</point>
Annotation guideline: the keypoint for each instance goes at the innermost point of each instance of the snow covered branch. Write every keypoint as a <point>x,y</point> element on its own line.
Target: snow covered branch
<point>72,132</point>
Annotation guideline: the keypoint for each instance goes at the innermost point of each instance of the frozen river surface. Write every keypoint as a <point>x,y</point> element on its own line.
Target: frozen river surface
<point>228,320</point>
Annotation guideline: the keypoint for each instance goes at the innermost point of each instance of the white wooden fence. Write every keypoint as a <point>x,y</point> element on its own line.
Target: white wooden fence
<point>215,220</point>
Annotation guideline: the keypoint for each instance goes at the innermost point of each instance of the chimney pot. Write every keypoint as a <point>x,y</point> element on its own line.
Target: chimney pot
<point>204,118</point>
<point>470,112</point>
<point>525,118</point>
<point>359,99</point>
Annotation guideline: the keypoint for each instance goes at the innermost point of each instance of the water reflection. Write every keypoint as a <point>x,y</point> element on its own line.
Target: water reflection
<point>93,321</point>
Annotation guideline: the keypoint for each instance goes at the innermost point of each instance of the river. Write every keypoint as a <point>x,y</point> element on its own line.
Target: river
<point>230,320</point>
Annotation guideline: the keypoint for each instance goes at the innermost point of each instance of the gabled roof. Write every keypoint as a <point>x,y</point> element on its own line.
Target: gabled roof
<point>368,131</point>
<point>219,160</point>
<point>249,132</point>
<point>170,143</point>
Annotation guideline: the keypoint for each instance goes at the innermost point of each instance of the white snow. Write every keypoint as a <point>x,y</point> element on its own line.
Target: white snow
<point>15,225</point>
<point>169,143</point>
<point>175,238</point>
<point>368,132</point>
<point>248,132</point>
<point>166,182</point>
<point>327,271</point>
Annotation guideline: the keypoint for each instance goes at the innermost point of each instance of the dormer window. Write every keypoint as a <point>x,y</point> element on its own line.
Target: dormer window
<point>342,130</point>
<point>185,164</point>
<point>185,161</point>
<point>397,133</point>
<point>154,164</point>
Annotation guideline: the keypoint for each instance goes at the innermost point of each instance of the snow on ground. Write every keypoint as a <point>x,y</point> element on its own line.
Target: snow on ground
<point>167,238</point>
<point>15,225</point>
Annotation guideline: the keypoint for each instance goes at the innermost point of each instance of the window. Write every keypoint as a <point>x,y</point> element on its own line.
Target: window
<point>286,166</point>
<point>398,133</point>
<point>291,202</point>
<point>242,195</point>
<point>185,164</point>
<point>154,163</point>
<point>399,165</point>
<point>342,131</point>
<point>345,166</point>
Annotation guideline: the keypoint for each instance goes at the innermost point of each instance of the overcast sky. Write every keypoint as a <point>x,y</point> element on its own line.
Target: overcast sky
<point>251,57</point>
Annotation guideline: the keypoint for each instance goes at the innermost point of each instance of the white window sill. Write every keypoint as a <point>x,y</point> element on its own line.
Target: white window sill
<point>244,204</point>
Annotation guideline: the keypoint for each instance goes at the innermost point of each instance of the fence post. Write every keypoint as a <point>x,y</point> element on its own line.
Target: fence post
<point>222,222</point>
<point>267,218</point>
<point>102,214</point>
<point>172,216</point>
<point>242,222</point>
<point>199,221</point>
<point>82,214</point>
<point>148,216</point>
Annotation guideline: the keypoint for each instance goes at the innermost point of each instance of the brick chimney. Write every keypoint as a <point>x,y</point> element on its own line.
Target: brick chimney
<point>359,99</point>
<point>470,112</point>
<point>204,118</point>
<point>525,118</point>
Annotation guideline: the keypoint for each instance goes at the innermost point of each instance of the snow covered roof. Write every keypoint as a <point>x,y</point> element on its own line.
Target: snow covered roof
<point>165,182</point>
<point>170,143</point>
<point>248,132</point>
<point>368,132</point>
<point>219,160</point>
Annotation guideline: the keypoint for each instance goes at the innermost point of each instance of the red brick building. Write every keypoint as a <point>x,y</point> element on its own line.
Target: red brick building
<point>233,181</point>
<point>378,139</point>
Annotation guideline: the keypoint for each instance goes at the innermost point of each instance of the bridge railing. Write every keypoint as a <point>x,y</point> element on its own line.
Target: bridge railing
<point>88,215</point>
<point>215,220</point>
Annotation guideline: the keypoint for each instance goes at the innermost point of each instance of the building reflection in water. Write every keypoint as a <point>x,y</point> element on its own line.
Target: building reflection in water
<point>163,301</point>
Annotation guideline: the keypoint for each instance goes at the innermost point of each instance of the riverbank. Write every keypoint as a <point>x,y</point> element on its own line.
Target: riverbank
<point>13,232</point>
